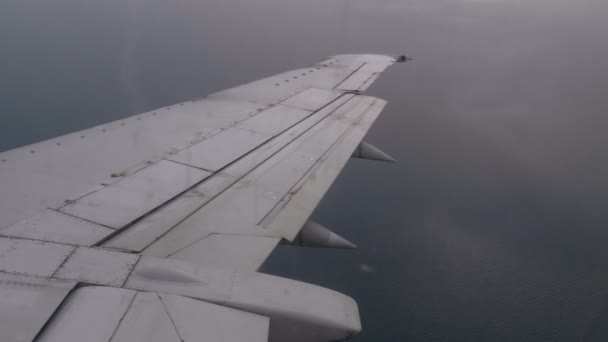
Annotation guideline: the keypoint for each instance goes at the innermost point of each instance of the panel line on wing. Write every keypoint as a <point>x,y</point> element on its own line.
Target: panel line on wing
<point>123,316</point>
<point>350,75</point>
<point>194,166</point>
<point>367,80</point>
<point>81,218</point>
<point>169,315</point>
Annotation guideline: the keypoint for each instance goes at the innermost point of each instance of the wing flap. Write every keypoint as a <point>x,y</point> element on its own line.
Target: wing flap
<point>91,314</point>
<point>151,227</point>
<point>196,320</point>
<point>27,303</point>
<point>229,251</point>
<point>106,314</point>
<point>146,320</point>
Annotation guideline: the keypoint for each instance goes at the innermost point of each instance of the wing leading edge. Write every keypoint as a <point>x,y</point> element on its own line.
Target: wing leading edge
<point>185,201</point>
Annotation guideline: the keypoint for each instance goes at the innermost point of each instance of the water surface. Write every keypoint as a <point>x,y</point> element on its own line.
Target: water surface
<point>492,226</point>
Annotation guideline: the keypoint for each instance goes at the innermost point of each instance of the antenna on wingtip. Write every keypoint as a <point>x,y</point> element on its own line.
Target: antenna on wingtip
<point>403,59</point>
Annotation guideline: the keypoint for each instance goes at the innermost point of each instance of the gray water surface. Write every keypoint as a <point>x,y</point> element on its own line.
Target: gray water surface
<point>493,226</point>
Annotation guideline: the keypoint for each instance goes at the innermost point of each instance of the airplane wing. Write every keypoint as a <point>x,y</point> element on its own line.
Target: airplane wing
<point>152,228</point>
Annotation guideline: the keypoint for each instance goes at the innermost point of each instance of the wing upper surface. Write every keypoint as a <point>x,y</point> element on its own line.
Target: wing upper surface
<point>217,182</point>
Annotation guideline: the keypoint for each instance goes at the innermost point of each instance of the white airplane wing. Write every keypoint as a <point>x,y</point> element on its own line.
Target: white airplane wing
<point>152,228</point>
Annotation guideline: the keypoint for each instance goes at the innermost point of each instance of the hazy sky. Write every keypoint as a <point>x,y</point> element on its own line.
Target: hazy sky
<point>492,226</point>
